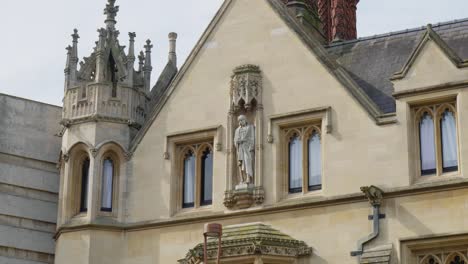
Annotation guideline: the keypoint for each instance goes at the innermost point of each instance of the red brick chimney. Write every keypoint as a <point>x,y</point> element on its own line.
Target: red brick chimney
<point>334,19</point>
<point>338,19</point>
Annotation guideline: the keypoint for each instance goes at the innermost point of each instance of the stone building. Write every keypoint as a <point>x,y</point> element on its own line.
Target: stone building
<point>29,180</point>
<point>307,144</point>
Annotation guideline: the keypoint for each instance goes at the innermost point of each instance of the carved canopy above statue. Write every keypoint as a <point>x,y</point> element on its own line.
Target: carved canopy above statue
<point>251,242</point>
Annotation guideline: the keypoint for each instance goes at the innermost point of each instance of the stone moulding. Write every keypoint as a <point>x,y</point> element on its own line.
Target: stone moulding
<point>255,239</point>
<point>419,189</point>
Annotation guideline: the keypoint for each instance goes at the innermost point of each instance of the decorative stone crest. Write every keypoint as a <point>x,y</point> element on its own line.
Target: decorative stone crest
<point>246,83</point>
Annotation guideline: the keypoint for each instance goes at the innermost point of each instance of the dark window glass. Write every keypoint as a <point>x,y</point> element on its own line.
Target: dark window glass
<point>207,177</point>
<point>84,185</point>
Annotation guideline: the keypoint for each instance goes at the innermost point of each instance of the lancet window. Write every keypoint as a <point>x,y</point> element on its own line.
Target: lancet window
<point>84,173</point>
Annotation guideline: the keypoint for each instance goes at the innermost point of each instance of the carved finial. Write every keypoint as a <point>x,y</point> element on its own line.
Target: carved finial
<point>147,68</point>
<point>131,48</point>
<point>75,35</point>
<point>102,32</point>
<point>148,45</point>
<point>111,11</point>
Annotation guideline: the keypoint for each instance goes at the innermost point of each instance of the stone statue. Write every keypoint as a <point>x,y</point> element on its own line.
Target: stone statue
<point>244,140</point>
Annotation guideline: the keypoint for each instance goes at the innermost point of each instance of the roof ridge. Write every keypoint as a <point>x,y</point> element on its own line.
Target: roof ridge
<point>398,32</point>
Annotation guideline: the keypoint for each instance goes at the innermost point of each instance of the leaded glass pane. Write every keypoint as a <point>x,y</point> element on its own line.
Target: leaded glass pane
<point>107,185</point>
<point>295,164</point>
<point>426,139</point>
<point>315,162</point>
<point>207,178</point>
<point>189,181</point>
<point>449,141</point>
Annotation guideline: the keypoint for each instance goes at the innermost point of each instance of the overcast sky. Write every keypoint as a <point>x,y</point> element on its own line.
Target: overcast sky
<point>36,32</point>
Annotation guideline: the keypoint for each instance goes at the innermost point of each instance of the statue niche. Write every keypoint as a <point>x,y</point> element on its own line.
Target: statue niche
<point>245,139</point>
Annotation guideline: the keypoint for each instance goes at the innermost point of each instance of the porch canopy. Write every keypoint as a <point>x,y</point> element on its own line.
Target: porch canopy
<point>251,243</point>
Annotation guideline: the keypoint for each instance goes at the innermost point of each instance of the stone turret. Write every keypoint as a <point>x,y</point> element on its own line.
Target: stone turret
<point>106,87</point>
<point>106,102</point>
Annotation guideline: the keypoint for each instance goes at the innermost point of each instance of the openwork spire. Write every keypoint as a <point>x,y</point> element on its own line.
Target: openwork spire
<point>111,11</point>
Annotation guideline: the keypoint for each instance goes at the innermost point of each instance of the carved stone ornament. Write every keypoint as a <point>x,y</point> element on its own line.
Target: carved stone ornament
<point>246,87</point>
<point>128,155</point>
<point>94,152</point>
<point>243,198</point>
<point>66,157</point>
<point>373,194</point>
<point>255,240</point>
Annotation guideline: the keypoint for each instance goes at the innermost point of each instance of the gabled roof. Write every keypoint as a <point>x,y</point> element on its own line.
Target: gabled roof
<point>372,61</point>
<point>314,45</point>
<point>430,35</point>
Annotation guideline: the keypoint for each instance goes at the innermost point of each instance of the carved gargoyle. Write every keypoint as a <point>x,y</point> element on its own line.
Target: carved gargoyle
<point>373,194</point>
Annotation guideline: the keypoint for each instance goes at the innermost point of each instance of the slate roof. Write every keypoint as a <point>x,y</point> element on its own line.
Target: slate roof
<point>373,60</point>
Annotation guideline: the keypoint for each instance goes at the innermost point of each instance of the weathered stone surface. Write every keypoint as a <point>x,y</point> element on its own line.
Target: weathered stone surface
<point>29,128</point>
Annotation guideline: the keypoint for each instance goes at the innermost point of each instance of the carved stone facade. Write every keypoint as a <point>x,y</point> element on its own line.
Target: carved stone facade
<point>246,93</point>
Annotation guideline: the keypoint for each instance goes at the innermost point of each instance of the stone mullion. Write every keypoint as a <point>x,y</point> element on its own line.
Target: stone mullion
<point>198,184</point>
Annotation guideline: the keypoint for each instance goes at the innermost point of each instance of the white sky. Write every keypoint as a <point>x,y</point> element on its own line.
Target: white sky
<point>36,32</point>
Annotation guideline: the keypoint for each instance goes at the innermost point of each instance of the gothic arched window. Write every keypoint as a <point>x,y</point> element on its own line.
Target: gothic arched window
<point>196,168</point>
<point>304,160</point>
<point>206,177</point>
<point>448,130</point>
<point>427,144</point>
<point>189,180</point>
<point>84,185</point>
<point>295,164</point>
<point>314,162</point>
<point>107,184</point>
<point>437,134</point>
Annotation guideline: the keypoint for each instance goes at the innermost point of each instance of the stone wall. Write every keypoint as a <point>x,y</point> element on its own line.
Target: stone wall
<point>29,150</point>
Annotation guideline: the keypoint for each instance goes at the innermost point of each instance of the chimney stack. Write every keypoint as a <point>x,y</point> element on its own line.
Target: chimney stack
<point>338,18</point>
<point>334,20</point>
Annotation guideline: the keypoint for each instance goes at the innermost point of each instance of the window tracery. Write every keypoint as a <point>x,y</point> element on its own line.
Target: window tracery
<point>304,158</point>
<point>447,257</point>
<point>196,174</point>
<point>437,138</point>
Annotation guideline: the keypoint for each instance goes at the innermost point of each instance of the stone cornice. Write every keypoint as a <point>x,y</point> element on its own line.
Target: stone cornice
<point>99,118</point>
<point>283,206</point>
